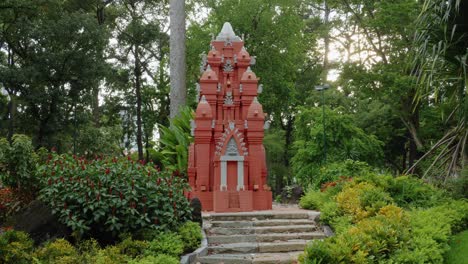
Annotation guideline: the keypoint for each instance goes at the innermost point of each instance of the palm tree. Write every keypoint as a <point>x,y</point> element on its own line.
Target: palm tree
<point>441,66</point>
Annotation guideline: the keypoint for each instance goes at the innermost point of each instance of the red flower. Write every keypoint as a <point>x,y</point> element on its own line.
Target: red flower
<point>159,181</point>
<point>110,190</point>
<point>107,171</point>
<point>83,167</point>
<point>50,182</point>
<point>53,173</point>
<point>98,197</point>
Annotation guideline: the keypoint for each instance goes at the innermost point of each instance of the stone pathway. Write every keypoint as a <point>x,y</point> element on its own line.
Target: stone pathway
<point>274,236</point>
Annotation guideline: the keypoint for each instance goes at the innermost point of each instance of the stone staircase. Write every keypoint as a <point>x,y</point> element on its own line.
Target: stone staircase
<point>258,237</point>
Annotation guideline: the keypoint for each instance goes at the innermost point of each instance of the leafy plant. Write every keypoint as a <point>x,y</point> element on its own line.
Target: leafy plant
<point>132,248</point>
<point>175,141</point>
<point>370,228</point>
<point>344,141</point>
<point>58,251</point>
<point>112,195</point>
<point>167,243</point>
<point>17,163</point>
<point>15,247</point>
<point>158,259</point>
<point>191,234</point>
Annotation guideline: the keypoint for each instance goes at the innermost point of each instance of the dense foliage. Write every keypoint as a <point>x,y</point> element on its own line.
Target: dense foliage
<point>17,163</point>
<point>343,140</point>
<point>112,194</point>
<point>162,248</point>
<point>382,219</point>
<point>175,141</point>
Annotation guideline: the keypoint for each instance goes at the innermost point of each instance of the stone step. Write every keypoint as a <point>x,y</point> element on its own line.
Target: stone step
<point>269,222</point>
<point>230,239</point>
<point>262,230</point>
<point>243,248</point>
<point>254,216</point>
<point>257,258</point>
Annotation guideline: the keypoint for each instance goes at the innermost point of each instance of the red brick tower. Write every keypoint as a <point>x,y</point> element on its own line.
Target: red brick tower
<point>227,167</point>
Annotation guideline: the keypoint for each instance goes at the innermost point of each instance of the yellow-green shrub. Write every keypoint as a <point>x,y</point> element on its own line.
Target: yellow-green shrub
<point>15,247</point>
<point>362,200</point>
<point>191,234</point>
<point>58,251</point>
<point>168,243</point>
<point>313,200</point>
<point>132,248</point>
<point>110,254</point>
<point>158,259</point>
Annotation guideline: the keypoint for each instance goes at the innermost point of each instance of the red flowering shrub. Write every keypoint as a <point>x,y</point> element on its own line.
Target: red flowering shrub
<point>341,180</point>
<point>112,195</point>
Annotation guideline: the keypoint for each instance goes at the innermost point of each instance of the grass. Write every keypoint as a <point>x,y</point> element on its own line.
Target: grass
<point>458,253</point>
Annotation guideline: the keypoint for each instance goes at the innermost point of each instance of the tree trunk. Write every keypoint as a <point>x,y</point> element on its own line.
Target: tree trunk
<point>413,146</point>
<point>138,98</point>
<point>288,139</point>
<point>178,93</point>
<point>95,105</point>
<point>11,116</point>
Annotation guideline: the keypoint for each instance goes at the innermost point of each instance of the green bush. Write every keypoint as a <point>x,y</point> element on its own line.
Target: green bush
<point>458,252</point>
<point>132,248</point>
<point>362,200</point>
<point>17,163</point>
<point>313,200</point>
<point>316,252</point>
<point>408,192</point>
<point>15,247</point>
<point>382,219</point>
<point>112,195</point>
<point>158,259</point>
<point>191,235</point>
<point>168,243</point>
<point>345,141</point>
<point>348,168</point>
<point>58,251</point>
<point>110,254</point>
<point>88,250</point>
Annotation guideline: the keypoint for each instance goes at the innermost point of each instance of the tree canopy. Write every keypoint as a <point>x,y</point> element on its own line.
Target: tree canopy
<point>94,76</point>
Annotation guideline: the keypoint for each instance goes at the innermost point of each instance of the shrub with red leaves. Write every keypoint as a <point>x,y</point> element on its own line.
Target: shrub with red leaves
<point>112,195</point>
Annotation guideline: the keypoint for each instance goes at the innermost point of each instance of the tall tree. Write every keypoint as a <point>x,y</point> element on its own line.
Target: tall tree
<point>54,60</point>
<point>178,93</point>
<point>140,38</point>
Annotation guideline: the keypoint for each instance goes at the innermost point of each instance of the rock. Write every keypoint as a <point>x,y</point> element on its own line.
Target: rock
<point>196,206</point>
<point>37,220</point>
